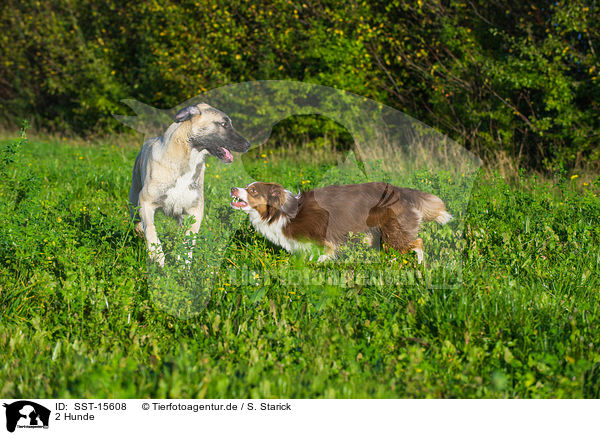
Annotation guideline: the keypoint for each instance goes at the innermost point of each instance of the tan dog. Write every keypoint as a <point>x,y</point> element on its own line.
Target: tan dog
<point>169,170</point>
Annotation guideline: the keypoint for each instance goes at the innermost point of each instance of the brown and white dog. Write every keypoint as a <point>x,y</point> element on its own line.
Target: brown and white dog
<point>169,170</point>
<point>328,215</point>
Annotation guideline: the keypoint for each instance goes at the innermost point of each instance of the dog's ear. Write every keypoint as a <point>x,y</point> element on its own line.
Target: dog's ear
<point>186,113</point>
<point>291,205</point>
<point>276,196</point>
<point>283,200</point>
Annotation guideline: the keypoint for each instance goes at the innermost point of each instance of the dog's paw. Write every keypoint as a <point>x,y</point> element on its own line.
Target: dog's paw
<point>323,258</point>
<point>139,230</point>
<point>419,253</point>
<point>159,261</point>
<point>158,257</point>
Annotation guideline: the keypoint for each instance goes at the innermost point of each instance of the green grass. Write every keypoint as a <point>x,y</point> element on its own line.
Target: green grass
<point>83,315</point>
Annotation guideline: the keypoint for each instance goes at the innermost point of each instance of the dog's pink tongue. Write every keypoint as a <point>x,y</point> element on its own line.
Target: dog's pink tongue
<point>228,156</point>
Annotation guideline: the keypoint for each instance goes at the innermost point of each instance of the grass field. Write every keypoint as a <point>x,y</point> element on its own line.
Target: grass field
<point>84,315</point>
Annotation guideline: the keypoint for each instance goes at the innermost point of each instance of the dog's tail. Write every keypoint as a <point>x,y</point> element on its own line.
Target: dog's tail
<point>432,208</point>
<point>429,206</point>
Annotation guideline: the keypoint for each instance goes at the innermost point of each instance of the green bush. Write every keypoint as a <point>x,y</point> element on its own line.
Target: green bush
<point>509,76</point>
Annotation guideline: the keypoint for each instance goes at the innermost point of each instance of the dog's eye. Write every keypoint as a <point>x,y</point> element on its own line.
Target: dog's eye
<point>224,124</point>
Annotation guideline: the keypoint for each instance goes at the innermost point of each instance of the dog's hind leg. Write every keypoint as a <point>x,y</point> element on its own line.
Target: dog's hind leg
<point>417,246</point>
<point>373,238</point>
<point>134,191</point>
<point>139,229</point>
<point>393,235</point>
<point>154,245</point>
<point>330,253</point>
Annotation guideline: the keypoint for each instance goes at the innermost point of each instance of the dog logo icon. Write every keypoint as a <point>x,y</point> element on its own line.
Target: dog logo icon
<point>26,414</point>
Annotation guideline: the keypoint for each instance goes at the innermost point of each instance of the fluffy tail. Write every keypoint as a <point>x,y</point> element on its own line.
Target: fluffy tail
<point>433,208</point>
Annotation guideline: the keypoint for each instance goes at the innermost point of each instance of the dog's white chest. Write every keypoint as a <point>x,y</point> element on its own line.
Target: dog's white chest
<point>274,232</point>
<point>186,192</point>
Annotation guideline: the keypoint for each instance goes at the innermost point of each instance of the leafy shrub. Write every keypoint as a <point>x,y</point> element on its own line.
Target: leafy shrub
<point>509,76</point>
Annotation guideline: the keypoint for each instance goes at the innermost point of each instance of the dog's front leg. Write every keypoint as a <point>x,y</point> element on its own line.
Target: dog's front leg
<point>198,214</point>
<point>154,245</point>
<point>330,253</point>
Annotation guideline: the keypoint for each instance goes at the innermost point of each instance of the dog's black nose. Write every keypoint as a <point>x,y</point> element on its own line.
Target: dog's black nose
<point>233,189</point>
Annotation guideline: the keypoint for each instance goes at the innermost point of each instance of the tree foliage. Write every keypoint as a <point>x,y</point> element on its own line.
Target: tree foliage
<point>494,74</point>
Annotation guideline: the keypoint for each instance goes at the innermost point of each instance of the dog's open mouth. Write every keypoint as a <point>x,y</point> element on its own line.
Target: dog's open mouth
<point>227,156</point>
<point>238,202</point>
